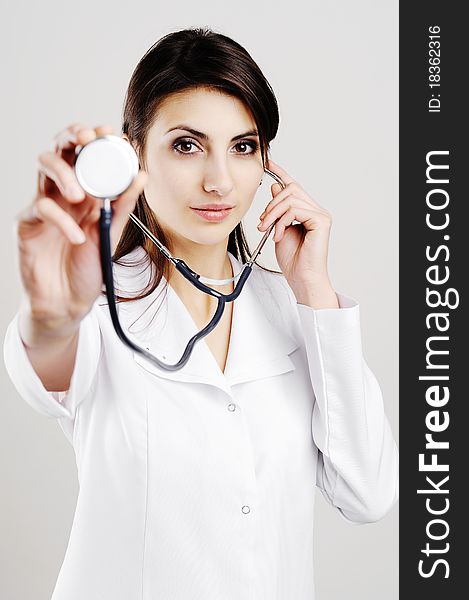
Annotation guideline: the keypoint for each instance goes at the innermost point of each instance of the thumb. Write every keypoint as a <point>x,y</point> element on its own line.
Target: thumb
<point>124,205</point>
<point>126,202</point>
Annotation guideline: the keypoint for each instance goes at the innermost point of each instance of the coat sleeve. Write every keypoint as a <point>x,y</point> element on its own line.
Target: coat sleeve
<point>59,404</point>
<point>358,457</point>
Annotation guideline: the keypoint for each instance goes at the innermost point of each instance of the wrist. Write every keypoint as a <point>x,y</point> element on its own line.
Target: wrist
<point>316,295</point>
<point>35,331</point>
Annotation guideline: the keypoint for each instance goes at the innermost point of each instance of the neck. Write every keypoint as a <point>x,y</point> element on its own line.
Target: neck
<point>208,261</point>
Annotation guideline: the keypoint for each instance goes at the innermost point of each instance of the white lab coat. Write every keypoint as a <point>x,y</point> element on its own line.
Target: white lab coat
<point>198,484</point>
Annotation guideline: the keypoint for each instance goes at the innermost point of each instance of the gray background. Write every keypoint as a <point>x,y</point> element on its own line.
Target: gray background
<point>334,68</point>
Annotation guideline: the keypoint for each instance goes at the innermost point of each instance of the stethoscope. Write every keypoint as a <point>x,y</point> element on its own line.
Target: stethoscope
<point>105,168</point>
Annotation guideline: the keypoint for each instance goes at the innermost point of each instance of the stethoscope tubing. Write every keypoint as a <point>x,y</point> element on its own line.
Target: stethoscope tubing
<point>108,279</point>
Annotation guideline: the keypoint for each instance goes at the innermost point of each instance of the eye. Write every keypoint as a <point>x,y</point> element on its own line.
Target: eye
<point>183,146</point>
<point>253,145</point>
<point>184,143</point>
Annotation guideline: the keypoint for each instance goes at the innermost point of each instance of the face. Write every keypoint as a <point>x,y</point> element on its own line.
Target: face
<point>216,165</point>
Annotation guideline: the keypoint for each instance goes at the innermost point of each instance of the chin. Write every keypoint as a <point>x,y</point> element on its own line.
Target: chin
<point>209,235</point>
<point>210,240</point>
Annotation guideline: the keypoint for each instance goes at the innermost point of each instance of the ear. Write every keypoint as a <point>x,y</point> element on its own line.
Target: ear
<point>126,138</point>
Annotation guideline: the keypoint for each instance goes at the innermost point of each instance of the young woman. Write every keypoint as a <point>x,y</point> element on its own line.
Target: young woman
<point>197,483</point>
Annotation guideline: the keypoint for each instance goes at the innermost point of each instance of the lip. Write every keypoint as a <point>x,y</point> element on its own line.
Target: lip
<point>213,206</point>
<point>213,212</point>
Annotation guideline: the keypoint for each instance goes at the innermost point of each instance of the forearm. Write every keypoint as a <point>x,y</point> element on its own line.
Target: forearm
<point>358,471</point>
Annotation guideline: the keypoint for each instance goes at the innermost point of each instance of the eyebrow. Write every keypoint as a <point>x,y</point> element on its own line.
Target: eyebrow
<point>204,136</point>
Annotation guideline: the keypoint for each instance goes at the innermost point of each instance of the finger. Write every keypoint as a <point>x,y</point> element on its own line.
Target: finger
<point>284,176</point>
<point>292,189</point>
<point>276,188</point>
<point>103,130</point>
<point>75,134</point>
<point>91,215</point>
<point>125,204</point>
<point>278,210</point>
<point>85,136</point>
<point>48,211</point>
<point>62,140</point>
<point>311,220</point>
<point>279,194</point>
<point>62,174</point>
<point>120,207</point>
<point>28,215</point>
<point>303,216</point>
<point>285,221</point>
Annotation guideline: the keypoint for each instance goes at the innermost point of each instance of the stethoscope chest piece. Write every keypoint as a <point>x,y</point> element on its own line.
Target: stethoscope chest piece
<point>106,166</point>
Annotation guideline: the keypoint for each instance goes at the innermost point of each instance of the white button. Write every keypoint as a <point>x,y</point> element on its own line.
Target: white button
<point>246,509</point>
<point>231,407</point>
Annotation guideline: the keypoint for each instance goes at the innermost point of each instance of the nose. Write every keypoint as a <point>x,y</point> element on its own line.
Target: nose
<point>217,177</point>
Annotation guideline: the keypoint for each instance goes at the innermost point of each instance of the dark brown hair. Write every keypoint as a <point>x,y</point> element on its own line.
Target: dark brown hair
<point>188,59</point>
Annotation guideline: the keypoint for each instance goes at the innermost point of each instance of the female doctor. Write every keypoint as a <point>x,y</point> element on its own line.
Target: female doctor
<point>196,483</point>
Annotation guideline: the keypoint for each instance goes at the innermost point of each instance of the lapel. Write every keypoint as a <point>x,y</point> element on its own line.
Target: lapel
<point>257,348</point>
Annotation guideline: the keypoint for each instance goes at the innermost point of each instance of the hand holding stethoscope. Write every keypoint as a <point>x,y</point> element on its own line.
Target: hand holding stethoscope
<point>301,249</point>
<point>58,238</point>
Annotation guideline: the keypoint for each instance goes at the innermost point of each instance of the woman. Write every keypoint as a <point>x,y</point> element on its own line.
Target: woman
<point>197,483</point>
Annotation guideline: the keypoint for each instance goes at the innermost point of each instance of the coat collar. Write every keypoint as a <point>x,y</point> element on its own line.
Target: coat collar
<point>258,348</point>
